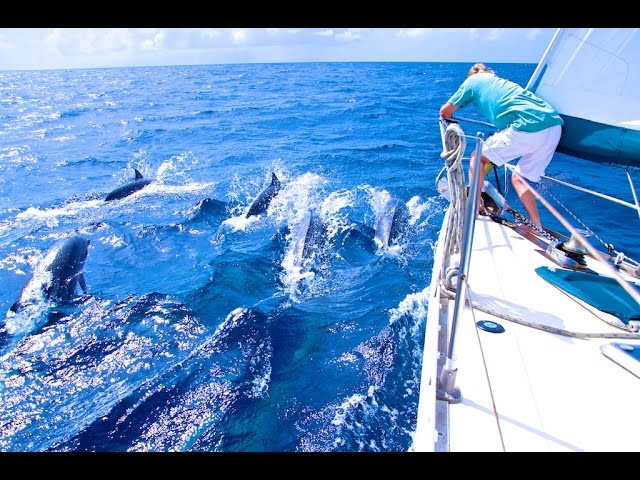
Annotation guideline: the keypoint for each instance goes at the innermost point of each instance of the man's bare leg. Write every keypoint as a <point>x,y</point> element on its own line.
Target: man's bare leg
<point>528,199</point>
<point>483,173</point>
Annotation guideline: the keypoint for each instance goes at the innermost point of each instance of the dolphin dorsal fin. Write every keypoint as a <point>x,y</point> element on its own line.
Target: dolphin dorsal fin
<point>274,179</point>
<point>138,174</point>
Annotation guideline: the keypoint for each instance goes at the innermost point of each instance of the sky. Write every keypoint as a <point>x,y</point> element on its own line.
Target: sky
<point>70,48</point>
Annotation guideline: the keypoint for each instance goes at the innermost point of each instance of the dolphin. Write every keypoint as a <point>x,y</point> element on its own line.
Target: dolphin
<point>57,276</point>
<point>127,189</point>
<point>306,251</point>
<point>315,235</point>
<point>207,207</point>
<point>261,203</point>
<point>308,239</point>
<point>391,223</point>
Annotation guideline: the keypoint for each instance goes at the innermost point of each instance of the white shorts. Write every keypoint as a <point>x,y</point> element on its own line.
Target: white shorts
<point>535,149</point>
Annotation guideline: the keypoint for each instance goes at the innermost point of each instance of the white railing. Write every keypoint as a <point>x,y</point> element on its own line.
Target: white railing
<point>460,238</point>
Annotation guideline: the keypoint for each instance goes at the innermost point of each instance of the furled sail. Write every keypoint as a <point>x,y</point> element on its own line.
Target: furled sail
<point>592,78</point>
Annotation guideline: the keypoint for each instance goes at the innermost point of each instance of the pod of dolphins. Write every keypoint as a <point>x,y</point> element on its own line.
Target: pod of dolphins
<point>59,274</point>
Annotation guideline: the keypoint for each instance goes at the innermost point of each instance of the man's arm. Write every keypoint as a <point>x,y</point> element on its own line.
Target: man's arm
<point>447,110</point>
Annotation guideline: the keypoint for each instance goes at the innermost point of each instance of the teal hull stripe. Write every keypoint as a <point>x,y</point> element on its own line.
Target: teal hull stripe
<point>599,142</point>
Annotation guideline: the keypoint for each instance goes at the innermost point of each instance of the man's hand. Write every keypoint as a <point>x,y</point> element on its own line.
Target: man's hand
<point>447,110</point>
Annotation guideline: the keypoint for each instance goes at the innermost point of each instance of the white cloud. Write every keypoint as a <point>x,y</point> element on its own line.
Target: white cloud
<point>412,32</point>
<point>116,40</point>
<point>147,31</point>
<point>239,36</point>
<point>89,41</point>
<point>210,33</point>
<point>350,35</point>
<point>281,32</point>
<point>39,48</point>
<point>495,34</point>
<point>4,43</point>
<point>491,34</point>
<point>533,33</point>
<point>156,42</point>
<point>324,33</point>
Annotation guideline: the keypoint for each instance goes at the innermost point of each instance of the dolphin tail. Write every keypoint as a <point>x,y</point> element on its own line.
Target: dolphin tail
<point>138,174</point>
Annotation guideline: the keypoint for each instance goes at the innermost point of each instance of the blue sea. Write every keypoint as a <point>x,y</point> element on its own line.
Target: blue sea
<point>202,329</point>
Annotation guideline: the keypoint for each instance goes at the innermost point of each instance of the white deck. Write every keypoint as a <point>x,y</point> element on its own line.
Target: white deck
<point>528,389</point>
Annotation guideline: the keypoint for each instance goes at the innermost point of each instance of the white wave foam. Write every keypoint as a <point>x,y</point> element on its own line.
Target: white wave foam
<point>18,155</point>
<point>113,240</point>
<point>26,320</point>
<point>336,201</point>
<point>296,197</point>
<point>378,199</point>
<point>349,404</point>
<point>260,384</point>
<point>33,301</point>
<point>34,118</point>
<point>50,216</point>
<point>414,304</point>
<point>239,223</point>
<point>162,188</point>
<point>64,138</point>
<point>12,261</point>
<point>416,208</point>
<point>355,401</point>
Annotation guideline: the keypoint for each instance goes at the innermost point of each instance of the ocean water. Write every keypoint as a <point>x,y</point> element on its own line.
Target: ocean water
<point>204,330</point>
